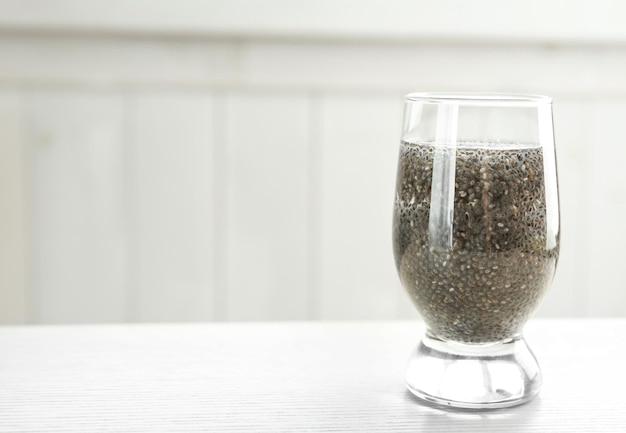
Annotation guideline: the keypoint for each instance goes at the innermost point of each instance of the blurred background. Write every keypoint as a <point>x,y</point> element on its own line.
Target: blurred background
<point>235,160</point>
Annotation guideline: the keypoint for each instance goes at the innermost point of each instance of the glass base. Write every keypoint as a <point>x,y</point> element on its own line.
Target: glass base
<point>473,376</point>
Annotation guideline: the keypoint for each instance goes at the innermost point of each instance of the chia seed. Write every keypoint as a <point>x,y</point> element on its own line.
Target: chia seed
<point>484,287</point>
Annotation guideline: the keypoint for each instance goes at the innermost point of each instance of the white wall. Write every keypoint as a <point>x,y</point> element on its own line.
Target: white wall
<point>231,161</point>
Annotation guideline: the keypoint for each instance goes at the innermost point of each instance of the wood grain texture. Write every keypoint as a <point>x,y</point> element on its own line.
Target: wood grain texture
<point>74,143</point>
<point>284,377</point>
<point>171,206</point>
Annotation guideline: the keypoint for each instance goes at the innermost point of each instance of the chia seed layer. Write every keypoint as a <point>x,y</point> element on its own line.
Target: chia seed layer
<point>492,277</point>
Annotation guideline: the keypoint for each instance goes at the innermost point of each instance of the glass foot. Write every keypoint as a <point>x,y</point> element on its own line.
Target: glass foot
<point>473,376</point>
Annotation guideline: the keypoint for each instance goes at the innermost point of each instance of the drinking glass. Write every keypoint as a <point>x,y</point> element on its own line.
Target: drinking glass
<point>476,241</point>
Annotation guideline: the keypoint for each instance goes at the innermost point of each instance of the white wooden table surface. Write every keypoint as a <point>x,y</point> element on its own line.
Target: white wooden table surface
<point>286,377</point>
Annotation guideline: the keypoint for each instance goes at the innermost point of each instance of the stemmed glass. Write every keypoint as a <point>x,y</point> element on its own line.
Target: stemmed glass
<point>476,241</point>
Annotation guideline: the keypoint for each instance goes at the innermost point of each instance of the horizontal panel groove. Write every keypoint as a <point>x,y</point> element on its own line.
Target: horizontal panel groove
<point>118,64</point>
<point>598,21</point>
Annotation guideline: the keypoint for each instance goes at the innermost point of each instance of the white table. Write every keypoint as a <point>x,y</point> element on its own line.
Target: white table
<point>278,377</point>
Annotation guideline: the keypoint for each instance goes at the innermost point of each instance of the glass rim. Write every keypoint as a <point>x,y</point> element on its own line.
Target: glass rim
<point>489,99</point>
